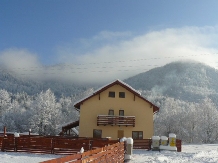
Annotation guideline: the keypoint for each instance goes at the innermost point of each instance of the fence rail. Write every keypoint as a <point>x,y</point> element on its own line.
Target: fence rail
<point>116,120</point>
<point>51,145</point>
<point>111,153</point>
<point>146,144</point>
<point>142,144</point>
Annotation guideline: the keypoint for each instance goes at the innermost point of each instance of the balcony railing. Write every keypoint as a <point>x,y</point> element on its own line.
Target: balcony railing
<point>116,120</point>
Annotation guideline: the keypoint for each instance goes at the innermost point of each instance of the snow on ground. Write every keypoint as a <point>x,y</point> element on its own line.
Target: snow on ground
<point>206,153</point>
<point>13,157</point>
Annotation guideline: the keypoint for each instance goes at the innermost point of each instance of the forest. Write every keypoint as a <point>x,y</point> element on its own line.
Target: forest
<point>185,92</point>
<point>44,114</point>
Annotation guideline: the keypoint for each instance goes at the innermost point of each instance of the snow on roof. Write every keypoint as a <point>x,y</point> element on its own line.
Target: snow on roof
<point>65,124</point>
<point>99,89</point>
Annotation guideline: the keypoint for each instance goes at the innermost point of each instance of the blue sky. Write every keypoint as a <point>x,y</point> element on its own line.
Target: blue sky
<point>34,33</point>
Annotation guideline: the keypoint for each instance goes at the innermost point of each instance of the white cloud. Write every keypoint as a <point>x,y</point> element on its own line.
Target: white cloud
<point>136,54</point>
<point>116,55</point>
<point>21,62</point>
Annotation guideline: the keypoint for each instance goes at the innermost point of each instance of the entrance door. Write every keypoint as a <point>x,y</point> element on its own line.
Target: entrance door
<point>120,134</point>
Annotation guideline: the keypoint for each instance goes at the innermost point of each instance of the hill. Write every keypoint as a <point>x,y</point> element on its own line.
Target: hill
<point>14,84</point>
<point>187,81</point>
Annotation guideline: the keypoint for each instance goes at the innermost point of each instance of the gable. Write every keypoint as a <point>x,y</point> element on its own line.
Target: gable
<point>118,89</point>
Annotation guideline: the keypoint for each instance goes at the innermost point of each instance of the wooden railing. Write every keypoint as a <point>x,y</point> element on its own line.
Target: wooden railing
<point>115,120</point>
<point>112,153</point>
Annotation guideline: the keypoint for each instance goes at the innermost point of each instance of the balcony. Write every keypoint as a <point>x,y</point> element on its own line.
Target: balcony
<point>115,120</point>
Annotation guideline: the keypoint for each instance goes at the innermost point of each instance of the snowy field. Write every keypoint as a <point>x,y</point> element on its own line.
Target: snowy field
<point>190,153</point>
<point>12,157</point>
<point>207,153</point>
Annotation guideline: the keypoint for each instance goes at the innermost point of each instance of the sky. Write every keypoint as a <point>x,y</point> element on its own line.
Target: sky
<point>99,40</point>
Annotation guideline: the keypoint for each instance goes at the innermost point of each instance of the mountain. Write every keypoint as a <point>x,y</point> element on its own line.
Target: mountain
<point>14,84</point>
<point>187,81</point>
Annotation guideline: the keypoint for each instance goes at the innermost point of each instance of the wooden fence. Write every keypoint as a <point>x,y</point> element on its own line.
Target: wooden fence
<point>142,144</point>
<point>50,145</point>
<point>146,144</point>
<point>112,153</point>
<point>64,145</point>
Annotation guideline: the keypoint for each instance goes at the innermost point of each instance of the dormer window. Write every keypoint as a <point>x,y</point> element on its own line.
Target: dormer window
<point>111,94</point>
<point>121,94</point>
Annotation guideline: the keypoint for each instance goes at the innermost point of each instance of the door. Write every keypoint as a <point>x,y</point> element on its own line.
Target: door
<point>120,134</point>
<point>97,133</point>
<point>121,118</point>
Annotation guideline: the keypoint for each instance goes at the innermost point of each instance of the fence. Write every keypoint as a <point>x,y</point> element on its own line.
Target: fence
<point>50,145</point>
<point>146,144</point>
<point>142,144</point>
<point>111,153</point>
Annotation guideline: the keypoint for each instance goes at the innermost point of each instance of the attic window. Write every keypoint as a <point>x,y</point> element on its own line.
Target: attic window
<point>111,94</point>
<point>122,94</point>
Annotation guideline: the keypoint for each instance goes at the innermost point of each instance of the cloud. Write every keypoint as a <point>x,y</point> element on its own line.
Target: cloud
<point>21,62</point>
<point>117,55</point>
<point>121,56</point>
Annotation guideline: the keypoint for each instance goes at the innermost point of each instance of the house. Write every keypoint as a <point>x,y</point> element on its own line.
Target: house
<point>116,110</point>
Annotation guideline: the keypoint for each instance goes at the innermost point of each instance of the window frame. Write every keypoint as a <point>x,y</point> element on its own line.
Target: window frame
<point>120,112</point>
<point>111,94</point>
<point>137,134</point>
<point>111,111</point>
<point>122,94</point>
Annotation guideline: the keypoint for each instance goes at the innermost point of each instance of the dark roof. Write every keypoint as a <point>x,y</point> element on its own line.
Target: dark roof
<point>116,82</point>
<point>71,125</point>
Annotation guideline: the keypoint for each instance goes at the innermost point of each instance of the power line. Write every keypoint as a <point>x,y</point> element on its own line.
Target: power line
<point>103,67</point>
<point>120,61</point>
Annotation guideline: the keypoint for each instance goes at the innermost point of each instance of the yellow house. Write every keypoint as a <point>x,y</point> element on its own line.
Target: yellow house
<point>116,110</point>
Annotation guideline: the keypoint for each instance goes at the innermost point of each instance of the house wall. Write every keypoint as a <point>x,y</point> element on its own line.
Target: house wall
<point>93,107</point>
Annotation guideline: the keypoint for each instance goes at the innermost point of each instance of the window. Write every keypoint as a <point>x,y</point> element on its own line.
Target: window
<point>122,94</point>
<point>111,94</point>
<point>111,112</point>
<point>121,112</point>
<point>137,134</point>
<point>97,133</point>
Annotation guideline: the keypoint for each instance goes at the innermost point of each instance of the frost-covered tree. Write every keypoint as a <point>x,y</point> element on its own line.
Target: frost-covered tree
<point>5,101</point>
<point>208,121</point>
<point>46,114</point>
<point>68,112</point>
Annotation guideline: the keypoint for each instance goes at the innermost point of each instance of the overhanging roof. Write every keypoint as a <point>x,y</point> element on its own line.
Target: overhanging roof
<point>71,125</point>
<point>116,82</point>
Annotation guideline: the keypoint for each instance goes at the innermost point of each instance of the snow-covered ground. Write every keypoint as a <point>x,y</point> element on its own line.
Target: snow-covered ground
<point>206,153</point>
<point>9,157</point>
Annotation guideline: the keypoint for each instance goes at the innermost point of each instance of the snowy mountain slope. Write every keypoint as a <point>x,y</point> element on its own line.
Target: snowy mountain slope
<point>187,81</point>
<point>14,84</point>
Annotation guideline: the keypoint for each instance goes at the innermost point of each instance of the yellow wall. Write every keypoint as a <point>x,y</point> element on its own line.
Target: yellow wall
<point>93,107</point>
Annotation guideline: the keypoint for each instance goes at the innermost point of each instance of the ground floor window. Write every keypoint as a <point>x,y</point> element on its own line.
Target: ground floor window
<point>97,133</point>
<point>137,134</point>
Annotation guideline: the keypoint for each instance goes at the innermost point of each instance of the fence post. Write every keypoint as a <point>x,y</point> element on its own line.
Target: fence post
<point>16,137</point>
<point>29,143</point>
<point>90,144</point>
<point>3,144</point>
<point>52,145</point>
<point>29,131</point>
<point>4,131</point>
